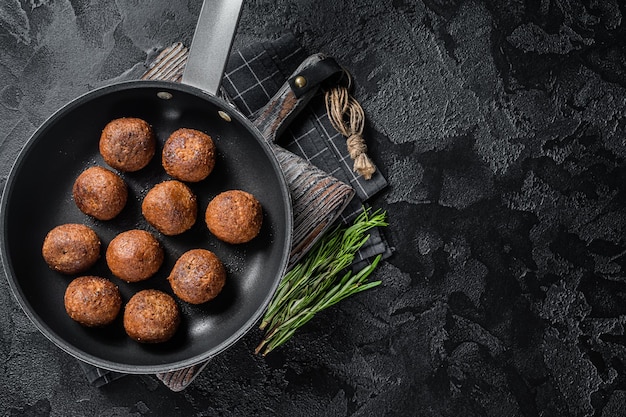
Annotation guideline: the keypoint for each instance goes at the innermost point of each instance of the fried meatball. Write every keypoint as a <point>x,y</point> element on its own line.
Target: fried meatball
<point>170,207</point>
<point>188,155</point>
<point>134,255</point>
<point>127,144</point>
<point>100,193</point>
<point>234,216</point>
<point>198,276</point>
<point>151,316</point>
<point>71,248</point>
<point>92,301</point>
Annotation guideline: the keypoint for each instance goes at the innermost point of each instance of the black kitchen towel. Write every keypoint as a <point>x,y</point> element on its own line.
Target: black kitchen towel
<point>253,75</point>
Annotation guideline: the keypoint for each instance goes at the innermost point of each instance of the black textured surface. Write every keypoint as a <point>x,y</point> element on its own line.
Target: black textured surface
<point>500,126</point>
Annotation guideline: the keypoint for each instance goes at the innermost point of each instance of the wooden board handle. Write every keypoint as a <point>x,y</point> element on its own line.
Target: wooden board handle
<point>294,95</point>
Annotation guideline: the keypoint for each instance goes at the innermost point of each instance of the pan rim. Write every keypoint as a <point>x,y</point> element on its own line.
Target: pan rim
<point>30,311</point>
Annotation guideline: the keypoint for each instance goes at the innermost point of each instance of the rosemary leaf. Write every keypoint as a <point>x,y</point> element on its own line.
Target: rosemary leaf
<point>315,284</point>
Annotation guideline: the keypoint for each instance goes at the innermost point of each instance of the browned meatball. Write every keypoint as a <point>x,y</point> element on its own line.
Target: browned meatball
<point>127,144</point>
<point>92,301</point>
<point>234,216</point>
<point>151,316</point>
<point>170,207</point>
<point>100,193</point>
<point>198,276</point>
<point>188,155</point>
<point>71,248</point>
<point>134,255</point>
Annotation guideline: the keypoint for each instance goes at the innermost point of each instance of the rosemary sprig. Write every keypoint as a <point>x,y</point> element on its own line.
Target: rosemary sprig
<point>315,284</point>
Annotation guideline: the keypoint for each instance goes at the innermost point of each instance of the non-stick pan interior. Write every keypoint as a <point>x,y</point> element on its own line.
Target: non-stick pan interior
<point>38,197</point>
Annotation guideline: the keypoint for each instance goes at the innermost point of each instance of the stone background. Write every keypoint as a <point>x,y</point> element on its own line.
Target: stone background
<point>500,126</point>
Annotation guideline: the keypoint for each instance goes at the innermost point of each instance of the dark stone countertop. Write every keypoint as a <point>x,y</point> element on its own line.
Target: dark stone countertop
<point>501,128</point>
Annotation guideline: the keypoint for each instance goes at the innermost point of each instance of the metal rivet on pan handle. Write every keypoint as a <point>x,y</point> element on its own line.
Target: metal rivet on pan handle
<point>164,95</point>
<point>224,115</point>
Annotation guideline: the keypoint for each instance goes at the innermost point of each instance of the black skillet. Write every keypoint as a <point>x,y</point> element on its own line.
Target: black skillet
<point>37,197</point>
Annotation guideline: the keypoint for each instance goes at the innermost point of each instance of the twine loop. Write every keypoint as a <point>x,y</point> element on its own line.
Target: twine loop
<point>347,117</point>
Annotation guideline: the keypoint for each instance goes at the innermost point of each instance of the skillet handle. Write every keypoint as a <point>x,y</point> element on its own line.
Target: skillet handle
<point>273,118</point>
<point>211,44</point>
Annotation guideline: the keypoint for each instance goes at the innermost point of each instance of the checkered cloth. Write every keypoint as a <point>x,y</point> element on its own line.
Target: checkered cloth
<point>253,75</point>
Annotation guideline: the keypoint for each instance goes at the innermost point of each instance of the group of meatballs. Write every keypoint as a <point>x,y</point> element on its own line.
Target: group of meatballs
<point>198,275</point>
